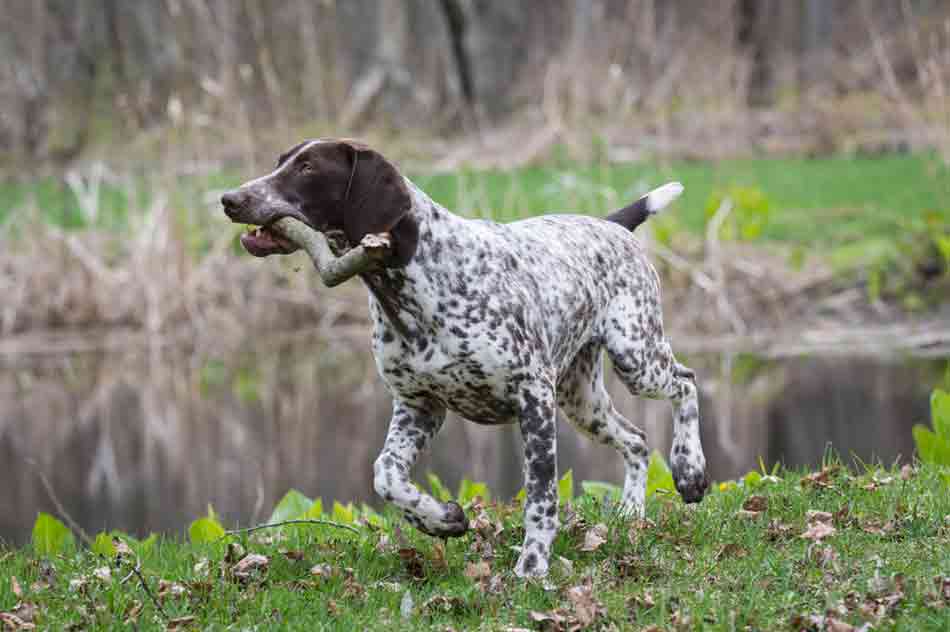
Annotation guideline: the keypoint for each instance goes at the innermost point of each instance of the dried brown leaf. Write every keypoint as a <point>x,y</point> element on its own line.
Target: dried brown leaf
<point>586,608</point>
<point>595,537</point>
<point>756,503</point>
<point>250,564</point>
<point>822,479</point>
<point>731,550</point>
<point>179,623</point>
<point>13,623</point>
<point>638,527</point>
<point>825,556</point>
<point>413,561</point>
<point>477,570</point>
<point>295,555</point>
<point>132,612</point>
<point>745,514</point>
<point>818,516</point>
<point>353,589</point>
<point>438,557</point>
<point>876,528</point>
<point>26,611</point>
<point>836,625</point>
<point>170,590</point>
<point>817,531</point>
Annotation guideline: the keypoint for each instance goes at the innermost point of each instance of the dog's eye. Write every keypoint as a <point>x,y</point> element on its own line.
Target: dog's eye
<point>306,167</point>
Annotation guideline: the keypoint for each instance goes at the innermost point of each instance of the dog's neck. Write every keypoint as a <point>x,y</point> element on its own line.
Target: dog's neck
<point>397,290</point>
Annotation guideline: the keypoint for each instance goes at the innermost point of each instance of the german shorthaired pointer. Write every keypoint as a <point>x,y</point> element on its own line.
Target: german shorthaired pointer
<point>501,323</point>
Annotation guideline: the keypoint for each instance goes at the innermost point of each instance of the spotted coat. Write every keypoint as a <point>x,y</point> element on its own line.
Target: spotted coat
<point>502,323</point>
<point>505,323</point>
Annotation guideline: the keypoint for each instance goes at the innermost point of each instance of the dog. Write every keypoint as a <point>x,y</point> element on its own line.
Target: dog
<point>500,323</point>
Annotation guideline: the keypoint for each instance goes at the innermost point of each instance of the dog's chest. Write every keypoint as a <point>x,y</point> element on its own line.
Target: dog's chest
<point>471,372</point>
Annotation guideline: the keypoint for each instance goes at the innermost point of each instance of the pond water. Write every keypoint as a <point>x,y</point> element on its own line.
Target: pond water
<point>144,441</point>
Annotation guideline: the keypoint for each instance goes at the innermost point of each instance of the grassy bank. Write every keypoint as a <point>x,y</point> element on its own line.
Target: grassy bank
<point>813,202</point>
<point>799,551</point>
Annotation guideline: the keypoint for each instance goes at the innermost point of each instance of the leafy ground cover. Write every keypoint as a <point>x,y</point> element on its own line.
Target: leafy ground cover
<point>834,549</point>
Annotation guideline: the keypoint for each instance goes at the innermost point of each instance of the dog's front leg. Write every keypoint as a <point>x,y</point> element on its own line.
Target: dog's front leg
<point>410,431</point>
<point>539,434</point>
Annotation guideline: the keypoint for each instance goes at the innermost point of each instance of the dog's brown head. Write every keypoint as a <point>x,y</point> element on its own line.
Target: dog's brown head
<point>329,185</point>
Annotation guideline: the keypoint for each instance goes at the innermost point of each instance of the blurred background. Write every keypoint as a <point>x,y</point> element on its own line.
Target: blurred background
<point>149,367</point>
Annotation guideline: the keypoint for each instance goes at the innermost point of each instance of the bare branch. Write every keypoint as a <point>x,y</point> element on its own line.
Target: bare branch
<point>137,571</point>
<point>334,270</point>
<point>59,506</point>
<point>327,523</point>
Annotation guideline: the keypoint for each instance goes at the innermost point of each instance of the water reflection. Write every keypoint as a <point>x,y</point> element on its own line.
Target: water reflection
<point>143,441</point>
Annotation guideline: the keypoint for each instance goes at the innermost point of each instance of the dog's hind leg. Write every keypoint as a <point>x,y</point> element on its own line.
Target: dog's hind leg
<point>644,361</point>
<point>410,431</point>
<point>582,397</point>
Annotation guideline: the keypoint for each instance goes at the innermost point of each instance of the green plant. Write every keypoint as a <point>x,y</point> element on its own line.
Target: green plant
<point>933,446</point>
<point>749,216</point>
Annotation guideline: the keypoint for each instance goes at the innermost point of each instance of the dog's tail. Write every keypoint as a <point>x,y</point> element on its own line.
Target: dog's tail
<point>653,202</point>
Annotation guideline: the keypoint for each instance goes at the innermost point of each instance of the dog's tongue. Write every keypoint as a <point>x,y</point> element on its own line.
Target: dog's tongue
<point>261,243</point>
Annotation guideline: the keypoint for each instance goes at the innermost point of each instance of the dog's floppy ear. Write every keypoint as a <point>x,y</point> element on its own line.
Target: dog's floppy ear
<point>376,200</point>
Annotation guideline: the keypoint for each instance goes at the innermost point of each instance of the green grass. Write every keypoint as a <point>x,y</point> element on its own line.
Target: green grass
<point>813,202</point>
<point>704,563</point>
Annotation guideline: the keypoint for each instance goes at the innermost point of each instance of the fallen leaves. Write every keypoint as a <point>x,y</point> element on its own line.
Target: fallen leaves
<point>594,538</point>
<point>414,562</point>
<point>639,527</point>
<point>817,531</point>
<point>731,551</point>
<point>756,503</point>
<point>874,527</point>
<point>753,507</point>
<point>12,622</point>
<point>777,531</point>
<point>170,590</point>
<point>179,623</point>
<point>250,566</point>
<point>819,525</point>
<point>586,608</point>
<point>583,612</point>
<point>478,570</point>
<point>21,617</point>
<point>820,479</point>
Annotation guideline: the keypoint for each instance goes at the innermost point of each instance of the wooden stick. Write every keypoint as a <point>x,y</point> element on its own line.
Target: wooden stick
<point>59,506</point>
<point>325,523</point>
<point>334,270</point>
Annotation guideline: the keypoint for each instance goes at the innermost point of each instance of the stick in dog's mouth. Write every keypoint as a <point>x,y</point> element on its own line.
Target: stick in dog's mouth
<point>287,234</point>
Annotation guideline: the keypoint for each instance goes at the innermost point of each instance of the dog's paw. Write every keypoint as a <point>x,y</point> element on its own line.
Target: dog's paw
<point>531,564</point>
<point>454,522</point>
<point>691,482</point>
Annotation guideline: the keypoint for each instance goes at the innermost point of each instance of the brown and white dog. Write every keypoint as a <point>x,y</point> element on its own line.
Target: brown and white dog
<point>500,323</point>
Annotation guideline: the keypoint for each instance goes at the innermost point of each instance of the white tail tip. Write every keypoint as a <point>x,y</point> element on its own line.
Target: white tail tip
<point>660,197</point>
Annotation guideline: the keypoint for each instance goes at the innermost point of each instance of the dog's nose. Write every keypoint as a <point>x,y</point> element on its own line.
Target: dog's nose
<point>231,201</point>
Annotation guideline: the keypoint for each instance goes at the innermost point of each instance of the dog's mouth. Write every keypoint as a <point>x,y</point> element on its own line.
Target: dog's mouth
<point>261,241</point>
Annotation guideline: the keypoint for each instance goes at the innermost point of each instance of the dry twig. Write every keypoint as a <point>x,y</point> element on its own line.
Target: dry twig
<point>327,523</point>
<point>332,269</point>
<point>59,506</point>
